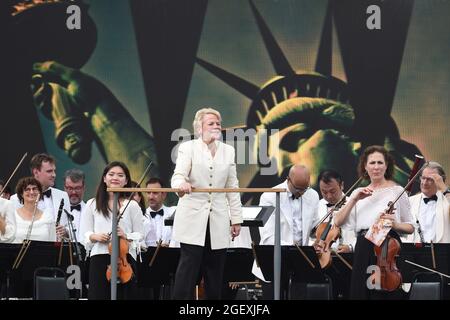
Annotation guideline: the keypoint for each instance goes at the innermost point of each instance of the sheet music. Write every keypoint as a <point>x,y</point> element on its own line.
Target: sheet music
<point>250,213</point>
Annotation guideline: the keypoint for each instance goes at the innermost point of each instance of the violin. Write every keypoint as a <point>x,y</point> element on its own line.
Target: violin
<point>388,251</point>
<point>390,276</point>
<point>326,234</point>
<point>124,270</point>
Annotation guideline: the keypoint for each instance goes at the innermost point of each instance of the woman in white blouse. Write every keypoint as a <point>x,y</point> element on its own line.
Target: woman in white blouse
<point>42,225</point>
<point>96,227</point>
<point>365,207</point>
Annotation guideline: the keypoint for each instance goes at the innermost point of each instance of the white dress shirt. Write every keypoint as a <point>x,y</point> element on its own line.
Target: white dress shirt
<point>297,217</point>
<point>427,219</point>
<point>93,221</point>
<point>43,229</point>
<point>77,219</point>
<point>7,211</point>
<point>154,228</point>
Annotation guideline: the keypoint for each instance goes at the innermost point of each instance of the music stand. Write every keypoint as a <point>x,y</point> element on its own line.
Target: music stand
<point>162,270</point>
<point>340,275</point>
<point>238,265</point>
<point>423,256</point>
<point>303,269</point>
<point>39,254</point>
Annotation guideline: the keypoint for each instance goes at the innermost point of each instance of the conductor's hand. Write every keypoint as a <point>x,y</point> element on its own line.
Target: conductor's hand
<point>185,187</point>
<point>235,231</point>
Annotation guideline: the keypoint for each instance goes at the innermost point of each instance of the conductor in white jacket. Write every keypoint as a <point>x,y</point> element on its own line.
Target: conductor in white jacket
<point>204,223</point>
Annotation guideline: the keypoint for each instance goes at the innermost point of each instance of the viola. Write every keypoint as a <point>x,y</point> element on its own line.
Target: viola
<point>390,276</point>
<point>387,252</point>
<point>124,270</point>
<point>326,234</point>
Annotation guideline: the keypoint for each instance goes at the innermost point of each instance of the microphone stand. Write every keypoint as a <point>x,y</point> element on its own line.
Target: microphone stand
<point>74,241</point>
<point>73,235</point>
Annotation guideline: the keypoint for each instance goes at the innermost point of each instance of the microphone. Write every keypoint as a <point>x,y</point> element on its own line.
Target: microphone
<point>69,215</point>
<point>58,217</point>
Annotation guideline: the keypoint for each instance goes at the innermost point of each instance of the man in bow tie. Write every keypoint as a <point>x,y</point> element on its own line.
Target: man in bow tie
<point>74,185</point>
<point>43,169</point>
<point>154,228</point>
<point>431,207</point>
<point>332,190</point>
<point>298,214</point>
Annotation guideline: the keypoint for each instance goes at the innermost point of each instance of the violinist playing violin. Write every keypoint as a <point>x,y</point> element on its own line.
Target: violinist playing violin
<point>365,207</point>
<point>96,224</point>
<point>332,190</point>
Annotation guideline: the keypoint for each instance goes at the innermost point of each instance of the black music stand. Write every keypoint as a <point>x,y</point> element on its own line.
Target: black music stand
<point>238,265</point>
<point>341,275</point>
<point>39,254</point>
<point>253,223</point>
<point>422,255</point>
<point>238,270</point>
<point>295,268</point>
<point>162,271</point>
<point>259,221</point>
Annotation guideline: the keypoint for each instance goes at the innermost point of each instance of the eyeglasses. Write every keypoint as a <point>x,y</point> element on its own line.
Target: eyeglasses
<point>426,179</point>
<point>33,189</point>
<point>297,189</point>
<point>76,189</point>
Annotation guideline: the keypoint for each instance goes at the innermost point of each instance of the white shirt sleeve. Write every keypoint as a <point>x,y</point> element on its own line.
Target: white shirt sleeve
<point>7,212</point>
<point>87,224</point>
<point>183,165</point>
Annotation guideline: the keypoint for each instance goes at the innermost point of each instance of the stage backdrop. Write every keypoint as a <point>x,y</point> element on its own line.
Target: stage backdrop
<point>305,81</point>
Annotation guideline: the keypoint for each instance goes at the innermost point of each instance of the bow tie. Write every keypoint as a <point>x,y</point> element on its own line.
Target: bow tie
<point>47,193</point>
<point>154,213</point>
<point>432,198</point>
<point>76,207</point>
<point>295,197</point>
<point>330,205</point>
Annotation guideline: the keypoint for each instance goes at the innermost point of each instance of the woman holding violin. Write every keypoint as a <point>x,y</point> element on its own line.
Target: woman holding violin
<point>364,208</point>
<point>96,227</point>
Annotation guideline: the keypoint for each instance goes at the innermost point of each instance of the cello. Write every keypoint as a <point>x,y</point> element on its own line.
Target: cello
<point>387,252</point>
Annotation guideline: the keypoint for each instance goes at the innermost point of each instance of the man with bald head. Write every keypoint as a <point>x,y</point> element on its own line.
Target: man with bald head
<point>298,206</point>
<point>298,215</point>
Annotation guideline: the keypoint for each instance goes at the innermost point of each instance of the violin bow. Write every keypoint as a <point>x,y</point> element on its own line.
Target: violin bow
<point>13,173</point>
<point>338,204</point>
<point>410,182</point>
<point>27,241</point>
<point>158,246</point>
<point>343,260</point>
<point>414,170</point>
<point>132,193</point>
